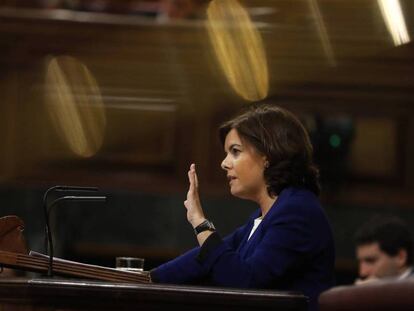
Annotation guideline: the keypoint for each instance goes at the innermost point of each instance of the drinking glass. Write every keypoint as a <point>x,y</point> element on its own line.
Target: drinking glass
<point>131,264</point>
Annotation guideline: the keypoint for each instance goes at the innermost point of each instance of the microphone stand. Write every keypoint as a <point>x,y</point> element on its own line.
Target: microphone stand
<point>60,188</point>
<point>48,207</point>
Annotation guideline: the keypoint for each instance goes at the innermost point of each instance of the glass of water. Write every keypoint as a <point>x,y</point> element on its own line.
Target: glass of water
<point>131,264</point>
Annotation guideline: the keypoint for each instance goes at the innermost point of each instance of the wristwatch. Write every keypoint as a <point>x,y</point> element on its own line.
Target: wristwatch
<point>204,226</point>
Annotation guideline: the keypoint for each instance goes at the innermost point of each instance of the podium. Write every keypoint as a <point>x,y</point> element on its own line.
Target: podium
<point>89,287</point>
<point>38,294</point>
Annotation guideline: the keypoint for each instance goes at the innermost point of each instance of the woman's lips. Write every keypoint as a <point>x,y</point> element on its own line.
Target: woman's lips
<point>230,178</point>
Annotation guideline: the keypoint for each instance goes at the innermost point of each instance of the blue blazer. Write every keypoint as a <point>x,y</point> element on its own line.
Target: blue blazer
<point>292,249</point>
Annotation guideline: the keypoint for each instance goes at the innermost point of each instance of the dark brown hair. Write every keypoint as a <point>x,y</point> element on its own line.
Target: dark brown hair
<point>390,232</point>
<point>280,136</point>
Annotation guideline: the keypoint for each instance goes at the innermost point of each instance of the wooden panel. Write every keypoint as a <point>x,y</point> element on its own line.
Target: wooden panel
<point>374,151</point>
<point>37,294</point>
<point>143,66</point>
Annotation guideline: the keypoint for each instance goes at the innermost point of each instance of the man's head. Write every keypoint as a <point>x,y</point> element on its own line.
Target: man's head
<point>383,247</point>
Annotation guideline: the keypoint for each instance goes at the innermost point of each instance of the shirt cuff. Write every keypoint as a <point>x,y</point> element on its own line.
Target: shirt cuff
<point>211,243</point>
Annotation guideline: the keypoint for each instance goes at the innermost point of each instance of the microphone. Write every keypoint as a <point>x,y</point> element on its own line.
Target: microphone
<point>61,188</point>
<point>48,207</point>
<point>67,188</point>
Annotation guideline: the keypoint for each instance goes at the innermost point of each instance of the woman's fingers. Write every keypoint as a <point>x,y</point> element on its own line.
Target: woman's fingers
<point>190,181</point>
<point>192,202</point>
<point>192,177</point>
<point>195,177</point>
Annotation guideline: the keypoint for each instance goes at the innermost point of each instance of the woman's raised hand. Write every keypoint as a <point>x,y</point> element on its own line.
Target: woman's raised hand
<point>195,214</point>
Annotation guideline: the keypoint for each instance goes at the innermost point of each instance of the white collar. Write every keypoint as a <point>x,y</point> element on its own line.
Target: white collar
<point>406,273</point>
<point>257,222</point>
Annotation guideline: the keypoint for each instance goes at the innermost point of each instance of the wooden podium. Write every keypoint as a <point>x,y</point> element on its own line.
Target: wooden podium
<point>69,295</point>
<point>89,287</point>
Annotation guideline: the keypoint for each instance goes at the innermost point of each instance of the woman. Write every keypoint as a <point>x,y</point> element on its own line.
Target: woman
<point>287,244</point>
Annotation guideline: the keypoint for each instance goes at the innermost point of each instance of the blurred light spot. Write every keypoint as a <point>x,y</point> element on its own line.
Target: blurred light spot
<point>264,10</point>
<point>322,32</point>
<point>75,105</point>
<point>239,48</point>
<point>335,140</point>
<point>394,19</point>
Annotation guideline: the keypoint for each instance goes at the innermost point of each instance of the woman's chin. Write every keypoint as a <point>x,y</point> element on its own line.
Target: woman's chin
<point>234,192</point>
<point>238,194</point>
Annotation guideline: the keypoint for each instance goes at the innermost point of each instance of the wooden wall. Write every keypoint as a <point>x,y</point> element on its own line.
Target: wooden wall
<point>164,95</point>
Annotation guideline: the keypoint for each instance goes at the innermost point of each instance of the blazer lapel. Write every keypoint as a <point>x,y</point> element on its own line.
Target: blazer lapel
<point>247,246</point>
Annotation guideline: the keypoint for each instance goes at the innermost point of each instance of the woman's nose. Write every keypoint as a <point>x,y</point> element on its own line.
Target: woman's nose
<point>224,164</point>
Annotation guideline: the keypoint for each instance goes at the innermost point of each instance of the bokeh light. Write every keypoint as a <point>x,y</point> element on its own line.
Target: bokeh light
<point>75,105</point>
<point>239,48</point>
<point>394,20</point>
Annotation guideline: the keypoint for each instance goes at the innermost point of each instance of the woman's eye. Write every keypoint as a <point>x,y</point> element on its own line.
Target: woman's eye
<point>235,151</point>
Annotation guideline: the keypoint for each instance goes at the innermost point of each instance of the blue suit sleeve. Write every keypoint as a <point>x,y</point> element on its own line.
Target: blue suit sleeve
<point>187,268</point>
<point>181,270</point>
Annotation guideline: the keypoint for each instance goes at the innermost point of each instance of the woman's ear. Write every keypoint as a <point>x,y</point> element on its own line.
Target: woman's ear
<point>265,162</point>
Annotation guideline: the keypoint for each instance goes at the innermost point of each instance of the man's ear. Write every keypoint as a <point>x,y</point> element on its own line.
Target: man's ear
<point>402,257</point>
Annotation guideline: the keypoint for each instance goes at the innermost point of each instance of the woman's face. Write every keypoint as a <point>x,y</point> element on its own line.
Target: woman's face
<point>244,167</point>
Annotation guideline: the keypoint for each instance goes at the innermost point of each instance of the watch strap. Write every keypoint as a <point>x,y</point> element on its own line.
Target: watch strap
<point>204,226</point>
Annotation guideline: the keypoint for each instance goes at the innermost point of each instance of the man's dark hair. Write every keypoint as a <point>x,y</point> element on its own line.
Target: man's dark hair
<point>391,233</point>
<point>280,136</point>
